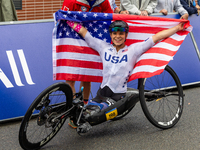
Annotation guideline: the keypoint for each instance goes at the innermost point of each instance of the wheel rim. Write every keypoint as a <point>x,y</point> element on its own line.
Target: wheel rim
<point>39,128</point>
<point>165,109</point>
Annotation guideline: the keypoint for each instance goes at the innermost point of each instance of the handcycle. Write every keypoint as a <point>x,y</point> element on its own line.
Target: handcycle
<point>161,98</point>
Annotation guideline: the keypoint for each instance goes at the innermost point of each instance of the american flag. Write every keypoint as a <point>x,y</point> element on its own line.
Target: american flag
<point>74,60</point>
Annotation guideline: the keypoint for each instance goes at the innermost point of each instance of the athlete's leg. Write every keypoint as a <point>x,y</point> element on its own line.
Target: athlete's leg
<point>86,90</point>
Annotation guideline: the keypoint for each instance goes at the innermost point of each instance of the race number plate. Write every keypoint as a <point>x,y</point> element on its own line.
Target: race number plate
<point>111,114</point>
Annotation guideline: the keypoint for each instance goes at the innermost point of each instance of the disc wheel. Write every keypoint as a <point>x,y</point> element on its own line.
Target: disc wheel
<point>162,99</point>
<point>38,126</point>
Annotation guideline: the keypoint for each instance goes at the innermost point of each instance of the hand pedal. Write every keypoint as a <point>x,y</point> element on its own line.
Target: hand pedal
<point>84,128</point>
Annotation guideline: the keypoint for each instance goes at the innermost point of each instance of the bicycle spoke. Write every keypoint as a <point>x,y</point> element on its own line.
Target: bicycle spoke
<point>163,106</point>
<point>37,127</point>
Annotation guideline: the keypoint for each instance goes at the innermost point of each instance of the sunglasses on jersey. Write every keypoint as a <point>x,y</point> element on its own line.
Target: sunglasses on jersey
<point>115,29</point>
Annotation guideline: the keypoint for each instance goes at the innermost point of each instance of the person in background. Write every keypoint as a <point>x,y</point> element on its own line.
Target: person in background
<point>197,4</point>
<point>7,11</point>
<point>138,7</point>
<point>101,6</point>
<point>167,6</point>
<point>191,9</point>
<point>86,6</point>
<point>116,9</point>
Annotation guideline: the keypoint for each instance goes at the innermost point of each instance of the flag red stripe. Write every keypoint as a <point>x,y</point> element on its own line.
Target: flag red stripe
<point>151,62</point>
<point>76,49</point>
<point>130,41</point>
<point>79,63</point>
<point>181,33</point>
<point>161,51</point>
<point>152,30</point>
<point>75,77</point>
<point>144,74</point>
<point>168,40</point>
<point>138,29</point>
<point>172,41</point>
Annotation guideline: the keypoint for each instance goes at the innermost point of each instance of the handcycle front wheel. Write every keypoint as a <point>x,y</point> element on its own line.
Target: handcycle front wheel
<point>37,127</point>
<point>162,98</point>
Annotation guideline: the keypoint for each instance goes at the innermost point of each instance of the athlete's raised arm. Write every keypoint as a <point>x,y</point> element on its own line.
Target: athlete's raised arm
<point>166,33</point>
<point>78,28</point>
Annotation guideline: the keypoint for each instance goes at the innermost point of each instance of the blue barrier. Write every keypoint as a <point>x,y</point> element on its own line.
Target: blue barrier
<point>26,63</point>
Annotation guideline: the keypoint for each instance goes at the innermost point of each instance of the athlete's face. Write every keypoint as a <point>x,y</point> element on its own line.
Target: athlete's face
<point>118,38</point>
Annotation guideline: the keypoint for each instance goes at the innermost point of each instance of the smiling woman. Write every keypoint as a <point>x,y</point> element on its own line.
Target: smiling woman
<point>118,33</point>
<point>118,38</point>
<point>118,59</point>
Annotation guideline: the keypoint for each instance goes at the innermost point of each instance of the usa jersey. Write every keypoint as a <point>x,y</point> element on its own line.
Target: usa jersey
<point>117,66</point>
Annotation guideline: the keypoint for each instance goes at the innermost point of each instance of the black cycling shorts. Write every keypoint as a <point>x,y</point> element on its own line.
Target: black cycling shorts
<point>107,92</point>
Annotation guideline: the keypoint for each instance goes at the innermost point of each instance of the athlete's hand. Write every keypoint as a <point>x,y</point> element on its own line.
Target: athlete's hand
<point>181,26</point>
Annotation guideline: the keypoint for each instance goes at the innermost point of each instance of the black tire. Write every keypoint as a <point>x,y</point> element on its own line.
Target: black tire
<point>162,98</point>
<point>36,130</point>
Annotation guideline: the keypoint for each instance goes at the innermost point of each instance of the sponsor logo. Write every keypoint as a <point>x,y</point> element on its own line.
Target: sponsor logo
<point>109,103</point>
<point>111,114</point>
<point>116,59</point>
<point>173,119</point>
<point>83,8</point>
<point>110,49</point>
<point>54,131</point>
<point>125,50</point>
<point>15,71</point>
<point>146,39</point>
<point>65,8</point>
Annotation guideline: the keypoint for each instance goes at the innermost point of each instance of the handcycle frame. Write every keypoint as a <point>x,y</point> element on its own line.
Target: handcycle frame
<point>49,115</point>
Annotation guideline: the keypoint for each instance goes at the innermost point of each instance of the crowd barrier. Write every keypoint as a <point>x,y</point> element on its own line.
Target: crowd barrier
<point>26,63</point>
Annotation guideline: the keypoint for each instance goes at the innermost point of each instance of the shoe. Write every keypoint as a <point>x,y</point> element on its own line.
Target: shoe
<point>85,102</point>
<point>103,105</point>
<point>91,110</point>
<point>108,102</point>
<point>71,124</point>
<point>93,103</point>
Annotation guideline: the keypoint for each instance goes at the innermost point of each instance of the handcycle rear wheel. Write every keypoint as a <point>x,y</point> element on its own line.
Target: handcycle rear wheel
<point>162,98</point>
<point>37,127</point>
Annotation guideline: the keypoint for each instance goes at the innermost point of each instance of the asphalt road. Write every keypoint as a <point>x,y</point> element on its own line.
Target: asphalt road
<point>133,132</point>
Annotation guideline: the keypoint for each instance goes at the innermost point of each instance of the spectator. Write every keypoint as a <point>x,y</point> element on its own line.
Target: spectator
<point>85,6</point>
<point>7,11</point>
<point>187,4</point>
<point>138,7</point>
<point>117,9</point>
<point>197,4</point>
<point>167,6</point>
